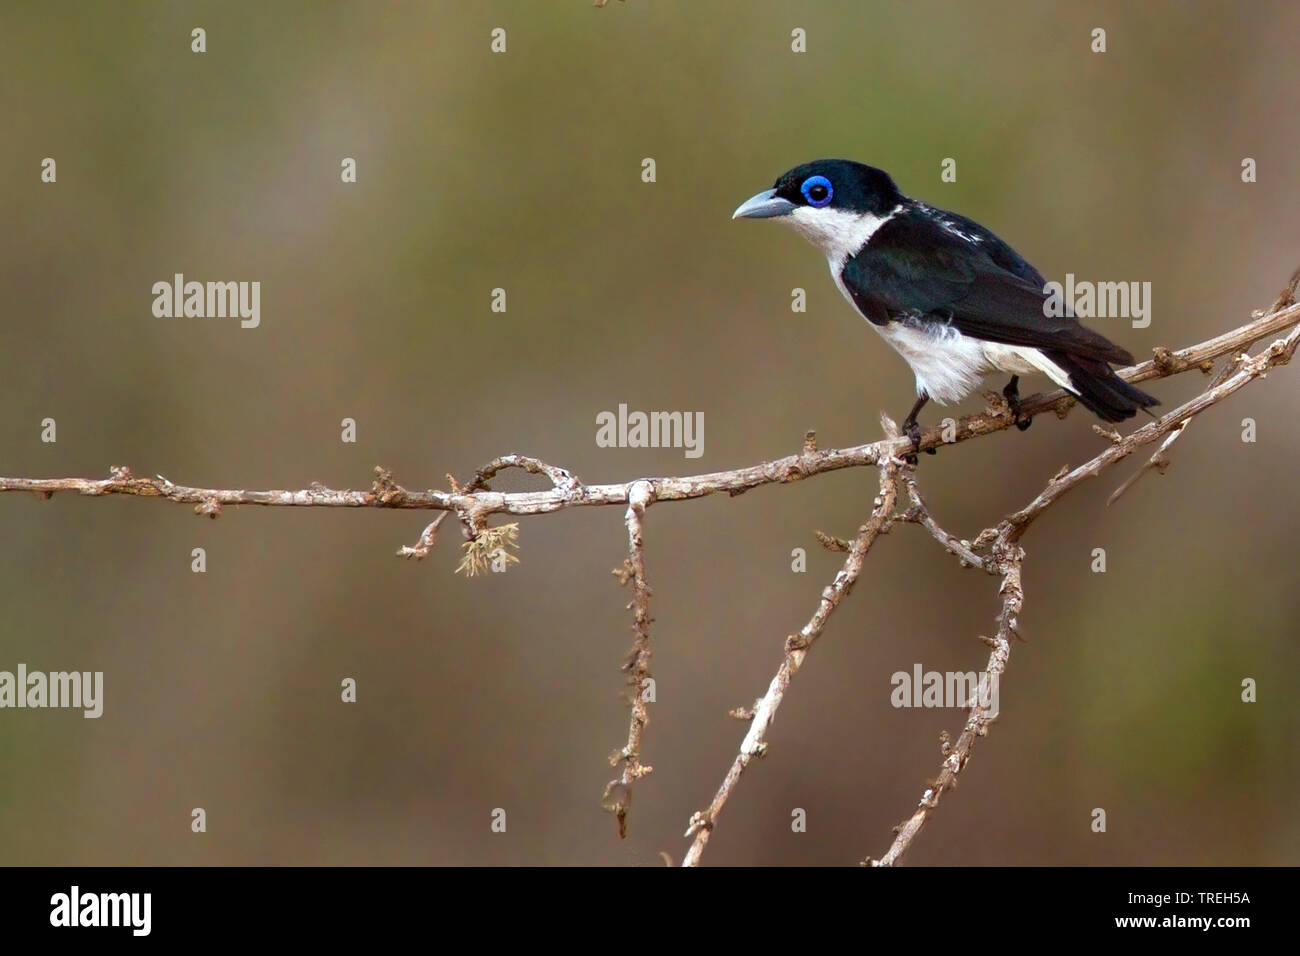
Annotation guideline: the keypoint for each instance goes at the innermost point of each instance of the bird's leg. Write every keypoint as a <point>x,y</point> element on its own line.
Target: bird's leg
<point>912,430</point>
<point>1012,394</point>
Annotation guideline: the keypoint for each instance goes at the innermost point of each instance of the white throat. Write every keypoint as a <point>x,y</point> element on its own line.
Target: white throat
<point>836,232</point>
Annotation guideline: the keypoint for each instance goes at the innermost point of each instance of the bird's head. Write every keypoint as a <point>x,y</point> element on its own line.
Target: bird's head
<point>836,204</point>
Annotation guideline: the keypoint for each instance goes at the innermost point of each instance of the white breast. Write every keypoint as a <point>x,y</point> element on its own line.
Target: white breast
<point>948,365</point>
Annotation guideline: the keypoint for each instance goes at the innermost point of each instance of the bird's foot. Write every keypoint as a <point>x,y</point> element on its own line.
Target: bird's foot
<point>1012,394</point>
<point>913,431</point>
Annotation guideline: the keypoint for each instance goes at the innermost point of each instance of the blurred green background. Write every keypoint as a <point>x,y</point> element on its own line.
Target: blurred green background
<point>522,171</point>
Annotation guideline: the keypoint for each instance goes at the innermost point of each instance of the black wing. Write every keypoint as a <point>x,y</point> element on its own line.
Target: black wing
<point>913,265</point>
<point>1001,253</point>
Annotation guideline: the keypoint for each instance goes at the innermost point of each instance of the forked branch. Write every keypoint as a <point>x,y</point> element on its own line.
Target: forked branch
<point>995,551</point>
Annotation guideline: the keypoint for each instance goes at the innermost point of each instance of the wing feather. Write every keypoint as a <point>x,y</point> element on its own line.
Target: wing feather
<point>913,266</point>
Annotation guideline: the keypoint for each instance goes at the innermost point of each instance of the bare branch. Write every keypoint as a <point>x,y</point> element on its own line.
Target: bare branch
<point>618,793</point>
<point>796,649</point>
<point>1008,560</point>
<point>475,502</point>
<point>1247,369</point>
<point>567,491</point>
<point>561,480</point>
<point>1007,556</point>
<point>1160,460</point>
<point>920,514</point>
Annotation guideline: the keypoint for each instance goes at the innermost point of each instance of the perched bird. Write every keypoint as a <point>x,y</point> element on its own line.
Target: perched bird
<point>951,297</point>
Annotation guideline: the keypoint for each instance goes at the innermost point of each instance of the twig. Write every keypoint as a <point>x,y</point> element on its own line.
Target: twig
<point>920,514</point>
<point>618,793</point>
<point>1249,368</point>
<point>1160,460</point>
<point>796,649</point>
<point>561,480</point>
<point>473,503</point>
<point>1008,559</point>
<point>469,502</point>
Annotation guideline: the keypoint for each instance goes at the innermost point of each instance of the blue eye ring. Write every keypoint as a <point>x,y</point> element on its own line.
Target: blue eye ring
<point>817,190</point>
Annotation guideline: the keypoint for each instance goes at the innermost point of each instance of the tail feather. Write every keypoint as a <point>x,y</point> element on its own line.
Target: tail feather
<point>1099,389</point>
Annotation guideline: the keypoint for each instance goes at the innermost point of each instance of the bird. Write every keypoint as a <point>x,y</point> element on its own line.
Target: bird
<point>952,298</point>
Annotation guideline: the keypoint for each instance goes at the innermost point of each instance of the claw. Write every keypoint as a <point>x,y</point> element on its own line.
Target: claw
<point>912,430</point>
<point>1012,394</point>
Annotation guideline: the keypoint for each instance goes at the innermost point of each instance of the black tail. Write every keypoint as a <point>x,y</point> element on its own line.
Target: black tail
<point>1100,390</point>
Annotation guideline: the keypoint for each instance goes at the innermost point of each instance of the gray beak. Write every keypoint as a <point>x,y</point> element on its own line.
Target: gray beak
<point>763,206</point>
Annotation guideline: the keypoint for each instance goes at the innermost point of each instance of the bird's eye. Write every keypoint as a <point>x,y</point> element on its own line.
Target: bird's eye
<point>817,190</point>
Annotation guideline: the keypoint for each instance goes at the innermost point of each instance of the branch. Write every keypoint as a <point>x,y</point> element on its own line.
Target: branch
<point>1007,556</point>
<point>560,479</point>
<point>568,491</point>
<point>796,649</point>
<point>476,501</point>
<point>1008,559</point>
<point>1248,369</point>
<point>920,514</point>
<point>1160,460</point>
<point>618,793</point>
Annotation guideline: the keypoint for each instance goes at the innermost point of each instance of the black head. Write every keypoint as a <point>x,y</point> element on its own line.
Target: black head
<point>839,184</point>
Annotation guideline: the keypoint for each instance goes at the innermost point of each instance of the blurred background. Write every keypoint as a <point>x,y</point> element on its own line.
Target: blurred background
<point>522,171</point>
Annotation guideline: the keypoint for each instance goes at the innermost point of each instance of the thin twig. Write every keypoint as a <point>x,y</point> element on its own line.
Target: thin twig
<point>1248,369</point>
<point>618,793</point>
<point>1008,559</point>
<point>468,503</point>
<point>1160,460</point>
<point>561,480</point>
<point>796,649</point>
<point>920,514</point>
<point>473,503</point>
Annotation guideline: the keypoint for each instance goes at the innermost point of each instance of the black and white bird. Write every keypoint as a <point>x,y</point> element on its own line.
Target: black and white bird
<point>952,298</point>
